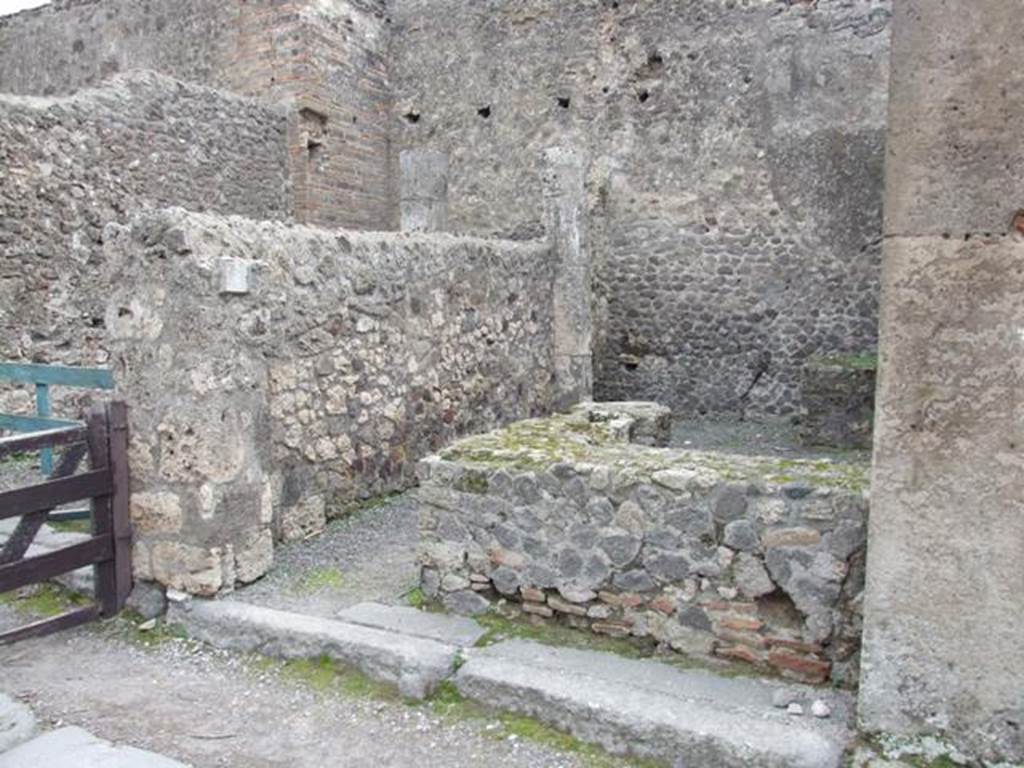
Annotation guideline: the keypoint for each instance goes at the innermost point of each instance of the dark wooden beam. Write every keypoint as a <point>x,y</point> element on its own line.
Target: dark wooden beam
<point>47,496</point>
<point>33,570</point>
<point>53,438</point>
<point>48,626</point>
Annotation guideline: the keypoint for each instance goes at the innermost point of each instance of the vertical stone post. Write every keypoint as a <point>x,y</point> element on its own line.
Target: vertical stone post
<point>565,211</point>
<point>424,191</point>
<point>944,603</point>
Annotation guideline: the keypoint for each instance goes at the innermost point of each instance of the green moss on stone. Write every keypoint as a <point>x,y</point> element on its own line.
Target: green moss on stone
<point>531,445</point>
<point>150,634</point>
<point>851,362</point>
<point>328,677</point>
<point>538,444</point>
<point>450,705</point>
<point>321,580</point>
<point>341,506</point>
<point>43,600</point>
<point>472,482</point>
<point>501,628</point>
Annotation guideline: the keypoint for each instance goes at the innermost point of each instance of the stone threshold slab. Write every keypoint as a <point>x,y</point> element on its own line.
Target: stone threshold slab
<point>454,630</point>
<point>650,709</point>
<point>17,723</point>
<point>642,708</point>
<point>415,664</point>
<point>76,748</point>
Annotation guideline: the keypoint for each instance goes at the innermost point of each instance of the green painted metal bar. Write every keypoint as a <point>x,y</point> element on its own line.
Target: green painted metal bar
<point>43,410</point>
<point>29,373</point>
<point>17,423</point>
<point>43,377</point>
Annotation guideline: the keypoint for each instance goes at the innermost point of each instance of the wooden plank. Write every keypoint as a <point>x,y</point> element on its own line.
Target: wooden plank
<point>117,430</point>
<point>54,438</point>
<point>120,502</point>
<point>104,574</point>
<point>49,626</point>
<point>25,533</point>
<point>17,423</point>
<point>33,570</point>
<point>87,378</point>
<point>54,493</point>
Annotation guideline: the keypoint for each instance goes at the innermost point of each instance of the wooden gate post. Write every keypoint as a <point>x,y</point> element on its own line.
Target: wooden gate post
<point>108,448</point>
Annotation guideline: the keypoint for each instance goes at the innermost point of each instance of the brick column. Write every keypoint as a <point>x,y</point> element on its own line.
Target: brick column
<point>424,191</point>
<point>565,214</point>
<point>944,606</point>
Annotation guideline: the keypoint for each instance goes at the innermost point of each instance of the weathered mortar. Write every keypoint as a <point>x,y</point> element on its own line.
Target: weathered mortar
<point>346,358</point>
<point>747,558</point>
<point>69,166</point>
<point>736,153</point>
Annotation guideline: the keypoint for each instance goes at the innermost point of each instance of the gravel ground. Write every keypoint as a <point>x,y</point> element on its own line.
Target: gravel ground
<point>9,618</point>
<point>368,556</point>
<point>214,709</point>
<point>15,473</point>
<point>769,438</point>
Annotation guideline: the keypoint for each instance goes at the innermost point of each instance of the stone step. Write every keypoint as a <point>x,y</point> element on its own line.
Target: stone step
<point>453,630</point>
<point>75,748</point>
<point>649,709</point>
<point>17,723</point>
<point>415,664</point>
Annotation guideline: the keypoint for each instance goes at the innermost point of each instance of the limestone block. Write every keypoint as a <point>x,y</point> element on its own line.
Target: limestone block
<point>254,556</point>
<point>953,165</point>
<point>307,518</point>
<point>154,513</point>
<point>650,424</point>
<point>188,568</point>
<point>942,618</point>
<point>235,275</point>
<point>195,446</point>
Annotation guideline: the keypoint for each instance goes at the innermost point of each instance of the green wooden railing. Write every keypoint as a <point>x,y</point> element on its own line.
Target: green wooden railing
<point>42,377</point>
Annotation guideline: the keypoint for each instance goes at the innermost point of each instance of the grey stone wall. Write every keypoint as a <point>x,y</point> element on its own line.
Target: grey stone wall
<point>735,176</point>
<point>71,165</point>
<point>743,558</point>
<point>65,46</point>
<point>944,607</point>
<point>838,402</point>
<point>325,59</point>
<point>276,373</point>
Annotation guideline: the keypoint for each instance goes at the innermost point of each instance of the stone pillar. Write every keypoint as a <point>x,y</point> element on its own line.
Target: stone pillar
<point>565,219</point>
<point>424,191</point>
<point>944,605</point>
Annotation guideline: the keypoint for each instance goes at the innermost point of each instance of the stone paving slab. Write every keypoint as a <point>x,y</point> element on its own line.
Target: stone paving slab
<point>17,723</point>
<point>415,664</point>
<point>650,709</point>
<point>76,748</point>
<point>454,630</point>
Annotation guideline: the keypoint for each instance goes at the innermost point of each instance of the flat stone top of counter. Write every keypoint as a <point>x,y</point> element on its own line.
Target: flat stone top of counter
<point>572,444</point>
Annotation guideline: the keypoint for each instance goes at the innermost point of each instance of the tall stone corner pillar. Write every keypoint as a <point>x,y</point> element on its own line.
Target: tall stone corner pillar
<point>944,601</point>
<point>423,191</point>
<point>565,219</point>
